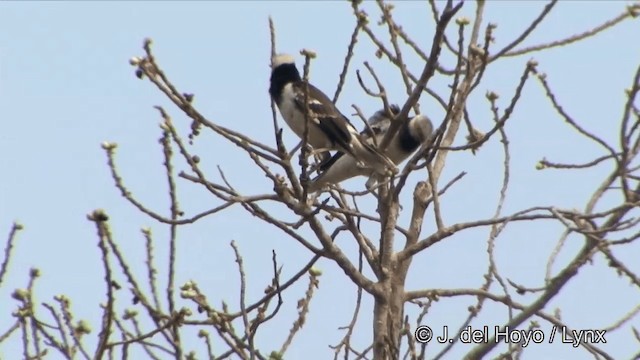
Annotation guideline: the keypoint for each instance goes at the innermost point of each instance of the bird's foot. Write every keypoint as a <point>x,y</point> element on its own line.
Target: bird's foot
<point>371,183</point>
<point>314,167</point>
<point>386,170</point>
<point>319,152</point>
<point>322,159</point>
<point>311,199</point>
<point>387,161</point>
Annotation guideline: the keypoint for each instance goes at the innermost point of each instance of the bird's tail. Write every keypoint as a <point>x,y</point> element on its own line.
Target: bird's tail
<point>371,156</point>
<point>341,167</point>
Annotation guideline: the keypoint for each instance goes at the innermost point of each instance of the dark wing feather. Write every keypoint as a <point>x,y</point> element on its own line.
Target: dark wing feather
<point>371,131</point>
<point>338,133</point>
<point>324,113</point>
<point>367,133</point>
<point>325,165</point>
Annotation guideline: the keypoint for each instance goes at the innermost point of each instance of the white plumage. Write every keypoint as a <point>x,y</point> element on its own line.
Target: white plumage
<point>405,142</point>
<point>328,128</point>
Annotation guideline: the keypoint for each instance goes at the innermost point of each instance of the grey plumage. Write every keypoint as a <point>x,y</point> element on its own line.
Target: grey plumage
<point>406,141</point>
<point>328,128</point>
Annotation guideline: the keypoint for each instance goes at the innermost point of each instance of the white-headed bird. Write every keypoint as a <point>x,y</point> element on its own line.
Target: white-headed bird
<point>411,135</point>
<point>328,129</point>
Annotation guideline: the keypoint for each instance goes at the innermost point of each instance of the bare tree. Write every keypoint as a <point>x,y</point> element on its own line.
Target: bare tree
<point>158,330</point>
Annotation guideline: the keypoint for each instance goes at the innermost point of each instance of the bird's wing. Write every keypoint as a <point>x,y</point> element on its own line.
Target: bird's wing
<point>337,128</point>
<point>378,125</point>
<point>381,118</point>
<point>375,131</point>
<point>380,122</point>
<point>325,165</point>
<point>342,167</point>
<point>325,115</point>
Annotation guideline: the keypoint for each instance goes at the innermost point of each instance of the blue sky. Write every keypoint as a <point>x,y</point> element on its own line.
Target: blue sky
<point>66,86</point>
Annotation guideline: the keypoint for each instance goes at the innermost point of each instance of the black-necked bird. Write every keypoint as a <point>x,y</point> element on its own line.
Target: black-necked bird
<point>406,141</point>
<point>328,129</point>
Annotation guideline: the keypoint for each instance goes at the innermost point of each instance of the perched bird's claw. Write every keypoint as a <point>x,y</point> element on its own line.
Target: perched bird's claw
<point>313,117</point>
<point>311,199</point>
<point>319,151</point>
<point>371,183</point>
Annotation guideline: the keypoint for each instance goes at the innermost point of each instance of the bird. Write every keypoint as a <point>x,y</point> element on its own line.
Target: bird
<point>405,142</point>
<point>328,128</point>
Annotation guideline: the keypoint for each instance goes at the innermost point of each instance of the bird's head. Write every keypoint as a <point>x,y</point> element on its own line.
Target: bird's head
<point>282,59</point>
<point>420,127</point>
<point>380,119</point>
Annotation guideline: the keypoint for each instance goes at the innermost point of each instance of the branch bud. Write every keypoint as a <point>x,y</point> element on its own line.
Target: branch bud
<point>187,286</point>
<point>129,314</point>
<point>476,50</point>
<point>185,311</point>
<point>188,294</point>
<point>63,299</point>
<point>474,136</point>
<point>135,61</point>
<point>463,20</point>
<point>276,356</point>
<point>362,18</point>
<point>107,145</point>
<point>308,53</point>
<point>20,294</point>
<point>82,328</point>
<point>315,272</point>
<point>98,215</point>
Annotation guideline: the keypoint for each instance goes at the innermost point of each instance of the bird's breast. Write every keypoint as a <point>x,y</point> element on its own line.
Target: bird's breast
<point>295,119</point>
<point>344,168</point>
<point>395,151</point>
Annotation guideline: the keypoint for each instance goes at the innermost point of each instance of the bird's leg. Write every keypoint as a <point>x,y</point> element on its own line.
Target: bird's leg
<point>381,181</point>
<point>295,148</point>
<point>311,200</point>
<point>390,169</point>
<point>319,151</point>
<point>315,167</point>
<point>373,192</point>
<point>324,158</point>
<point>373,180</point>
<point>384,180</point>
<point>321,160</point>
<point>361,165</point>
